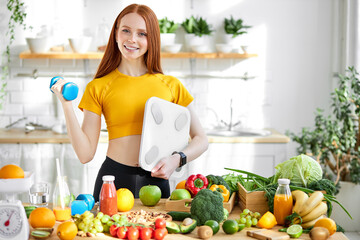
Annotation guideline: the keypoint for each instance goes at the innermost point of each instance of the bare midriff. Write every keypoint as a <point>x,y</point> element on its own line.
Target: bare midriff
<point>125,150</point>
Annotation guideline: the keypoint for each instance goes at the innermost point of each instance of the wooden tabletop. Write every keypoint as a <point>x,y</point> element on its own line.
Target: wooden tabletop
<point>17,135</point>
<point>160,207</point>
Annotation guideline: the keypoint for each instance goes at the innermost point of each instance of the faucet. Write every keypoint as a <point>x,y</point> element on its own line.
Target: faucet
<point>230,125</point>
<point>14,123</point>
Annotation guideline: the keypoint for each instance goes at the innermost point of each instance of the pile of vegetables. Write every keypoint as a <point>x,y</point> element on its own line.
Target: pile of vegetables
<point>305,174</point>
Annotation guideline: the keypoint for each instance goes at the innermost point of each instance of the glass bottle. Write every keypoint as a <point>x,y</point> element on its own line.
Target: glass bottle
<point>108,197</point>
<point>283,201</point>
<point>62,199</point>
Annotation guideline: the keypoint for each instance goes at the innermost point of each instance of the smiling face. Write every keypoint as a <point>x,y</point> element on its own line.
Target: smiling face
<point>131,37</point>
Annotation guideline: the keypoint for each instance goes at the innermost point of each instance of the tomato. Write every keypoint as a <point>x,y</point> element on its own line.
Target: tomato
<point>122,232</point>
<point>160,223</point>
<point>113,230</point>
<point>133,233</point>
<point>160,233</point>
<point>146,233</point>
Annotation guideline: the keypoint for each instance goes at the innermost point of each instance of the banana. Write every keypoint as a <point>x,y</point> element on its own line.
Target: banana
<point>311,203</point>
<point>311,223</point>
<point>300,198</point>
<point>319,210</point>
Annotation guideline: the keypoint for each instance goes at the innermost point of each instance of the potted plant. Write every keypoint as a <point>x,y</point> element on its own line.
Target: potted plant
<point>335,141</point>
<point>234,28</point>
<point>167,31</point>
<point>17,17</point>
<point>196,29</point>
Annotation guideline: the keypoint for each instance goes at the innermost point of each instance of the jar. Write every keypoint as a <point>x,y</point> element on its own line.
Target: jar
<point>283,201</point>
<point>108,196</point>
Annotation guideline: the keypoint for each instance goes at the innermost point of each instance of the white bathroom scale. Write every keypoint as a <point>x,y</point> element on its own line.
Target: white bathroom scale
<point>166,127</point>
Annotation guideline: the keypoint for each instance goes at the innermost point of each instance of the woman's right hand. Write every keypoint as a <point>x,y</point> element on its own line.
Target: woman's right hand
<point>57,89</point>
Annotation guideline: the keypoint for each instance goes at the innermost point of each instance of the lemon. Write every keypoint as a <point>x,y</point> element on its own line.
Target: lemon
<point>125,199</point>
<point>294,231</point>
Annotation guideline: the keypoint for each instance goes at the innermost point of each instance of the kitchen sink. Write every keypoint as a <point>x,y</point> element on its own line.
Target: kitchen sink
<point>238,133</point>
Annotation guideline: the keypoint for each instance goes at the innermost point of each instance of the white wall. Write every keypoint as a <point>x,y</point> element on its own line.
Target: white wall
<point>295,41</point>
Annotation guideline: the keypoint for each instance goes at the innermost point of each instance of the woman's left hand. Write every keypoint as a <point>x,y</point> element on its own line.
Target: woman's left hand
<point>166,166</point>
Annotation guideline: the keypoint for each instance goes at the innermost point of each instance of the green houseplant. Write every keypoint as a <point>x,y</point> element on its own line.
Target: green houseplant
<point>235,27</point>
<point>167,26</point>
<point>197,26</point>
<point>335,139</point>
<point>197,30</point>
<point>167,33</point>
<point>18,15</point>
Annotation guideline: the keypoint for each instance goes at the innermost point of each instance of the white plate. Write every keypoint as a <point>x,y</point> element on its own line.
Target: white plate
<point>165,130</point>
<point>17,185</point>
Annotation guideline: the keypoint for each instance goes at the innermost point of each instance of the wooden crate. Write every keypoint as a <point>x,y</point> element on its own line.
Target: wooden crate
<point>254,201</point>
<point>184,205</point>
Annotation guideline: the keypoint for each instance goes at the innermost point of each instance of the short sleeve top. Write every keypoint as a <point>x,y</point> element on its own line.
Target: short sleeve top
<point>121,99</point>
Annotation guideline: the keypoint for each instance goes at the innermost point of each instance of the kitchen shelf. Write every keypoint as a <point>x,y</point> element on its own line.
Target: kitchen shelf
<point>99,55</point>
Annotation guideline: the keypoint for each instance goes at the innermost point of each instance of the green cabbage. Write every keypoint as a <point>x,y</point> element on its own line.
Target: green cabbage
<point>301,170</point>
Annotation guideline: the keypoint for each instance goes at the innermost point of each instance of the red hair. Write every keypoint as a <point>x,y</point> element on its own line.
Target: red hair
<point>112,56</point>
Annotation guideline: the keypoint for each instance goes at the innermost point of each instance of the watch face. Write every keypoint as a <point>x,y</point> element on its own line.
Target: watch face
<point>10,222</point>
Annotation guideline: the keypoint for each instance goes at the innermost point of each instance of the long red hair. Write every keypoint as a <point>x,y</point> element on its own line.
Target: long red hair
<point>112,56</point>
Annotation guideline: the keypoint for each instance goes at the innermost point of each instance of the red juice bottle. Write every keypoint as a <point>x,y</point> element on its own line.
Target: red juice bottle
<point>108,197</point>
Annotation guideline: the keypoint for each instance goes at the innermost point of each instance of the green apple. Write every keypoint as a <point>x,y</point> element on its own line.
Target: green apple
<point>150,195</point>
<point>179,194</point>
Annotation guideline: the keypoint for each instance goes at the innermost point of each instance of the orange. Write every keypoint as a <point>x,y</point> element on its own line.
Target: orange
<point>11,171</point>
<point>327,223</point>
<point>181,185</point>
<point>42,218</point>
<point>125,199</point>
<point>67,230</point>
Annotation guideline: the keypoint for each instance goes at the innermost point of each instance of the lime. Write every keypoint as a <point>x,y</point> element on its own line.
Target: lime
<point>294,231</point>
<point>214,225</point>
<point>230,226</point>
<point>241,226</point>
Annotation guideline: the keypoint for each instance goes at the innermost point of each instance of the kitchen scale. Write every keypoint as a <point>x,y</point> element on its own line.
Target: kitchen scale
<point>14,224</point>
<point>166,127</point>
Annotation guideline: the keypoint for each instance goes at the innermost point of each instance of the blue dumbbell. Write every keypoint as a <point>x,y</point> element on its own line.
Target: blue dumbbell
<point>70,89</point>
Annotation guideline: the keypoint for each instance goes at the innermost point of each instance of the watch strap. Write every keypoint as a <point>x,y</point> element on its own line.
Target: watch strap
<point>183,158</point>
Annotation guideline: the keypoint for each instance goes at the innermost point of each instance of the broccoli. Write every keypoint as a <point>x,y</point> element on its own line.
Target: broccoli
<point>207,205</point>
<point>226,214</point>
<point>323,184</point>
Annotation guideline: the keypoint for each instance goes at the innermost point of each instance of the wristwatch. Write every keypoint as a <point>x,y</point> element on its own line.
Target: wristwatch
<point>182,158</point>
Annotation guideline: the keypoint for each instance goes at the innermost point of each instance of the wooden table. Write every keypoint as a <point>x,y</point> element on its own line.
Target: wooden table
<point>160,207</point>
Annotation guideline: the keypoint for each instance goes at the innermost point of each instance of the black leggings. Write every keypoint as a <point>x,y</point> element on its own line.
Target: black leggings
<point>132,178</point>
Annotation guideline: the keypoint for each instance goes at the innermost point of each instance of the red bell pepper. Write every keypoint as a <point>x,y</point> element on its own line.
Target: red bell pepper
<point>195,183</point>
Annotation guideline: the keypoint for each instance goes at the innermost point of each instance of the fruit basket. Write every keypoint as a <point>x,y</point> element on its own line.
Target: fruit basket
<point>254,201</point>
<point>184,205</point>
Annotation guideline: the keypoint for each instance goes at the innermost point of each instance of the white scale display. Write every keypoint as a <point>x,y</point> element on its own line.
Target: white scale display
<point>13,221</point>
<point>14,224</point>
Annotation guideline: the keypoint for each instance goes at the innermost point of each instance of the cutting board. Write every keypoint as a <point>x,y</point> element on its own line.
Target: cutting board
<point>166,129</point>
<point>264,234</point>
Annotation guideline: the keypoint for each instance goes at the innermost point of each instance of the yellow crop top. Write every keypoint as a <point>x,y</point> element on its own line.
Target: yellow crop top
<point>121,99</point>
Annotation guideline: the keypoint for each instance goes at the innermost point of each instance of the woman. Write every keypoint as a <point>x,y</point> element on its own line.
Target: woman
<point>128,75</point>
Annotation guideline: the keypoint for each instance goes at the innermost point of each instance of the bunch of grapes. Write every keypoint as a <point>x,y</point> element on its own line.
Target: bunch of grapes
<point>87,222</point>
<point>249,218</point>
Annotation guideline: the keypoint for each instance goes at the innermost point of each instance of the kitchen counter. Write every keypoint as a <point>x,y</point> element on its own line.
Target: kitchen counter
<point>16,135</point>
<point>220,235</point>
